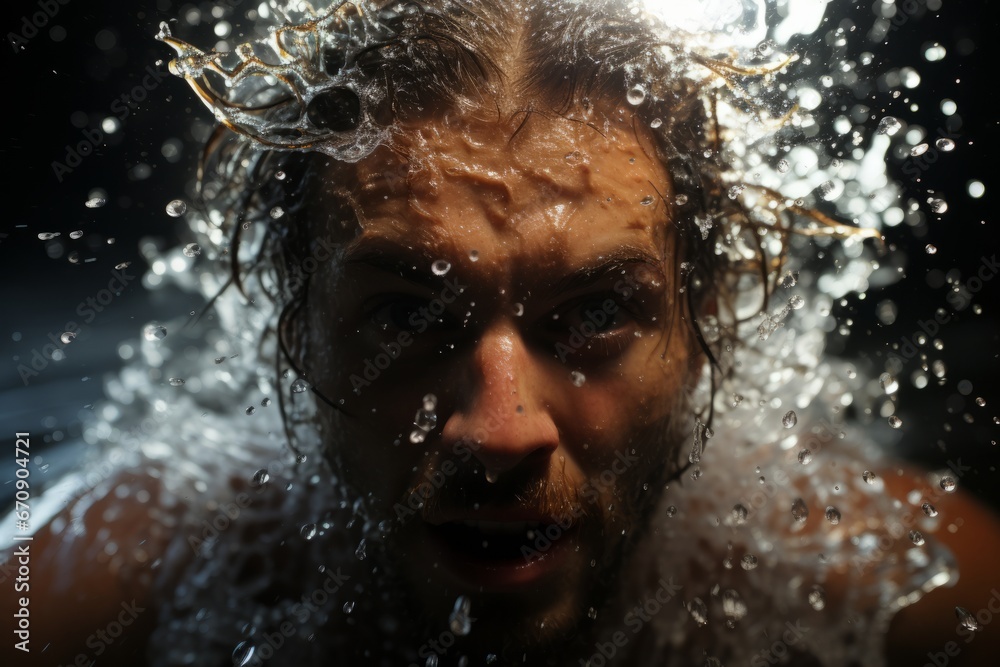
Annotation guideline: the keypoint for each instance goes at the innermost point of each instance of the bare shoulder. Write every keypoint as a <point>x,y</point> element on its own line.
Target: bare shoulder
<point>89,575</point>
<point>929,632</point>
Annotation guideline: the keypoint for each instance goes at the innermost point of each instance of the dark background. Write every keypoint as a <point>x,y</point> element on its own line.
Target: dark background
<point>65,80</point>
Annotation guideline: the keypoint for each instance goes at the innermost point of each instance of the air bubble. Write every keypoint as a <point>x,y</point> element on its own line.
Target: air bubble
<point>945,144</point>
<point>577,378</point>
<point>636,95</point>
<point>929,510</point>
<point>440,267</point>
<point>739,514</point>
<point>790,419</point>
<point>966,619</point>
<point>783,166</point>
<point>67,337</point>
<point>250,410</point>
<point>299,386</point>
<point>460,622</point>
<point>176,208</point>
<point>948,484</point>
<point>192,250</point>
<point>895,422</point>
<point>800,511</point>
<point>308,531</point>
<point>655,123</point>
<point>868,476</point>
<point>833,515</point>
<point>817,598</point>
<point>153,332</point>
<point>261,477</point>
<point>95,202</point>
<point>176,382</point>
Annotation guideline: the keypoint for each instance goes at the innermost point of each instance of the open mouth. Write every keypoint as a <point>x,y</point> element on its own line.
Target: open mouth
<point>493,553</point>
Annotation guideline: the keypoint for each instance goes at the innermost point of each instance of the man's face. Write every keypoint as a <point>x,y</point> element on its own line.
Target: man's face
<point>529,284</point>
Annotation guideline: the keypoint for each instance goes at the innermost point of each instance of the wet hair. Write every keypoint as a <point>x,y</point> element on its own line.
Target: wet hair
<point>405,60</point>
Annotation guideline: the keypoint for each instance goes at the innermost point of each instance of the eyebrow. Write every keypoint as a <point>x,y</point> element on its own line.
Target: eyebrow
<point>607,264</point>
<point>391,258</point>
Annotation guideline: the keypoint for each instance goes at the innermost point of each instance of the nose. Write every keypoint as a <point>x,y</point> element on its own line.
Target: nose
<point>500,413</point>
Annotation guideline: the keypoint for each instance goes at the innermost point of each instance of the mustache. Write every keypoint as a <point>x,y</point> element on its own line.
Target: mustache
<point>524,488</point>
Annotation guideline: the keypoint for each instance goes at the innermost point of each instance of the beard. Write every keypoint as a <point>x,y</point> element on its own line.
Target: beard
<point>602,520</point>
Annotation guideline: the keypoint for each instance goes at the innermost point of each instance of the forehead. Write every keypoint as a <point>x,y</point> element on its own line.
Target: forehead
<point>545,190</point>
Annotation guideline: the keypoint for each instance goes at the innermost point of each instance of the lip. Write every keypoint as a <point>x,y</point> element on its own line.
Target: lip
<point>491,573</point>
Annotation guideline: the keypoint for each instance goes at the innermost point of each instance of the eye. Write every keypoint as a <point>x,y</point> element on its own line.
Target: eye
<point>594,326</point>
<point>405,312</point>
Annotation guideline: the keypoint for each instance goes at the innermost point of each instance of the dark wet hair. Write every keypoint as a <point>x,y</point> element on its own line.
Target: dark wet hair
<point>427,57</point>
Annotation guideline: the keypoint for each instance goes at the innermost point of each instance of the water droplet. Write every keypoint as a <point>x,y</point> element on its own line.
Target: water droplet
<point>916,537</point>
<point>945,144</point>
<point>76,234</point>
<point>948,484</point>
<point>938,206</point>
<point>95,202</point>
<point>888,126</point>
<point>459,621</point>
<point>577,378</point>
<point>817,598</point>
<point>518,310</point>
<point>261,477</point>
<point>191,250</point>
<point>895,421</point>
<point>671,511</point>
<point>592,613</point>
<point>783,166</point>
<point>833,515</point>
<point>636,95</point>
<point>440,267</point>
<point>680,200</point>
<point>348,606</point>
<point>308,531</point>
<point>737,399</point>
<point>417,436</point>
<point>176,208</point>
<point>981,402</point>
<point>265,402</point>
<point>966,619</point>
<point>491,476</point>
<point>790,419</point>
<point>277,213</point>
<point>360,551</point>
<point>176,382</point>
<point>929,510</point>
<point>243,653</point>
<point>123,265</point>
<point>250,410</point>
<point>425,420</point>
<point>698,611</point>
<point>868,476</point>
<point>280,175</point>
<point>919,149</point>
<point>790,279</point>
<point>800,511</point>
<point>748,562</point>
<point>67,337</point>
<point>473,255</point>
<point>154,332</point>
<point>299,386</point>
<point>739,514</point>
<point>48,236</point>
<point>647,200</point>
<point>736,190</point>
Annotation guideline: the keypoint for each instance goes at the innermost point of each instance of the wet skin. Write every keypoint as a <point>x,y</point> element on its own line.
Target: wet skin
<point>539,232</point>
